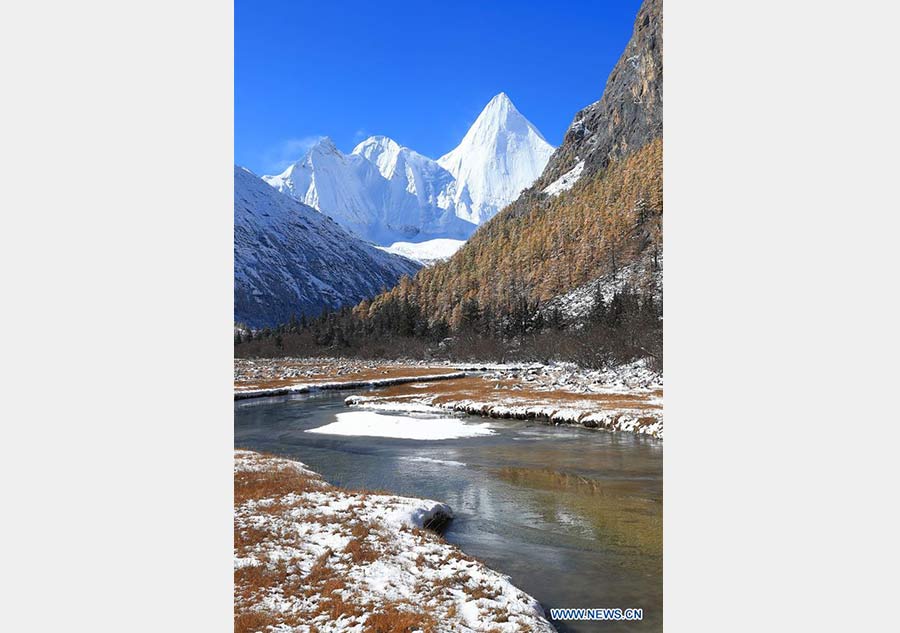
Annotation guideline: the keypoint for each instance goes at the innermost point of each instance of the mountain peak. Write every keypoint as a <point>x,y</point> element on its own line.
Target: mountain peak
<point>323,145</point>
<point>500,155</point>
<point>501,99</point>
<point>498,112</point>
<point>381,151</point>
<point>377,145</point>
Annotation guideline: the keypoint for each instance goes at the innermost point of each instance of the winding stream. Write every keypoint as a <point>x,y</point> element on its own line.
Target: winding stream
<point>573,516</point>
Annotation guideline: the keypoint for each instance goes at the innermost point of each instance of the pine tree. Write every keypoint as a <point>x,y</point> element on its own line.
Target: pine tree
<point>598,311</point>
<point>470,317</point>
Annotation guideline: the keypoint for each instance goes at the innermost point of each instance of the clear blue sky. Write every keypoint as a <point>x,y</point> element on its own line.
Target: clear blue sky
<point>419,72</point>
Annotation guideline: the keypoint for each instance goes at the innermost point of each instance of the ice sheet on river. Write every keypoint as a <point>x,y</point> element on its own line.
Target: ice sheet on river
<point>371,424</point>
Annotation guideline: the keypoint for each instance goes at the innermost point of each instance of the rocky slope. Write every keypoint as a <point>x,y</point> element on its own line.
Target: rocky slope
<point>289,259</point>
<point>629,114</point>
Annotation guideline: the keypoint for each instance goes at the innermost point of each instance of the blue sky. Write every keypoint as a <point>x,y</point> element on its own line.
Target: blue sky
<point>419,72</point>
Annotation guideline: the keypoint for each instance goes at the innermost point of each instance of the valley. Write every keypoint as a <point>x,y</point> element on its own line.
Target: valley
<point>483,329</point>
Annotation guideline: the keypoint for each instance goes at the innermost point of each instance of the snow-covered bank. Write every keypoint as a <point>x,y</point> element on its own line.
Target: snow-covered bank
<point>579,413</point>
<point>404,427</point>
<point>241,394</point>
<point>626,398</point>
<point>620,398</point>
<point>310,556</point>
<point>628,378</point>
<point>254,372</point>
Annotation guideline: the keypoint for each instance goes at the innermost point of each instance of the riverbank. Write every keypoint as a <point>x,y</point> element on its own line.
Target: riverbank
<point>626,398</point>
<point>260,378</point>
<point>311,556</point>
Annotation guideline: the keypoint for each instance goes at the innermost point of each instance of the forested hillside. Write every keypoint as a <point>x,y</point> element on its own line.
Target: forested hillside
<point>542,246</point>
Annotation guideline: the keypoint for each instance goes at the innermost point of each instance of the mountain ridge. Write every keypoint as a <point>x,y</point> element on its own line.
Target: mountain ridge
<point>386,192</point>
<point>290,260</point>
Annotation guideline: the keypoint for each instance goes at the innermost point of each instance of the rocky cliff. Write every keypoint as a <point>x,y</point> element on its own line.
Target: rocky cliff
<point>629,114</point>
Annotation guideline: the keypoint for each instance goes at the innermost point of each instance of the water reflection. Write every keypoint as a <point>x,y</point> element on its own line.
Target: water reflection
<point>573,516</point>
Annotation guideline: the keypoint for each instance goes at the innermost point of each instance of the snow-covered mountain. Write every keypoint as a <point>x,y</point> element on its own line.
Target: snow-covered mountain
<point>329,181</point>
<point>290,259</point>
<point>500,155</point>
<point>387,193</point>
<point>381,191</point>
<point>419,200</point>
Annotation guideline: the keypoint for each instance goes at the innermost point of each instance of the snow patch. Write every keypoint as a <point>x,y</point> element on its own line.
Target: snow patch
<point>576,304</point>
<point>426,253</point>
<point>370,424</point>
<point>566,181</point>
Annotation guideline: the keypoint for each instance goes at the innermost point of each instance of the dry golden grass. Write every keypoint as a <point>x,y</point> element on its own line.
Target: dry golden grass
<point>272,484</point>
<point>335,607</point>
<point>499,615</point>
<point>253,580</point>
<point>248,536</point>
<point>517,392</point>
<point>482,591</point>
<point>320,570</point>
<point>252,621</point>
<point>360,551</point>
<point>322,584</point>
<point>361,529</point>
<point>392,619</point>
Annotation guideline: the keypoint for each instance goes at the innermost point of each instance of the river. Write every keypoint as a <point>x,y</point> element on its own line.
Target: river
<point>573,516</point>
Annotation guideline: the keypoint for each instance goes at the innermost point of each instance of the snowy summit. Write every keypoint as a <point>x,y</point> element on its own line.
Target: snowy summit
<point>387,193</point>
<point>500,155</point>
